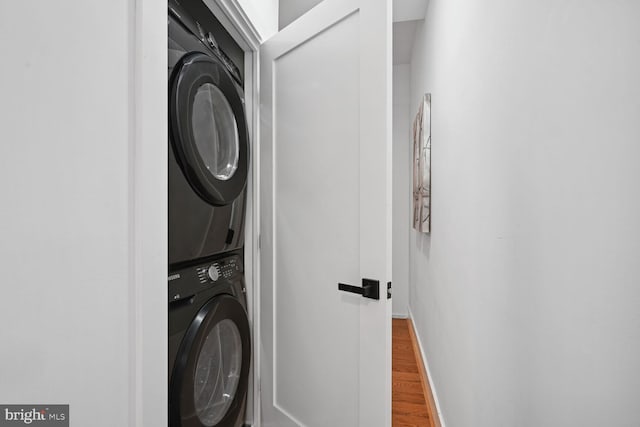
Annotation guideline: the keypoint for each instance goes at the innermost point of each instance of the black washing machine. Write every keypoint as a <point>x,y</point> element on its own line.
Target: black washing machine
<point>209,345</point>
<point>208,137</point>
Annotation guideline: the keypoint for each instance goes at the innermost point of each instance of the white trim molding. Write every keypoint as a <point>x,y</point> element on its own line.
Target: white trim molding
<point>148,233</point>
<point>426,366</point>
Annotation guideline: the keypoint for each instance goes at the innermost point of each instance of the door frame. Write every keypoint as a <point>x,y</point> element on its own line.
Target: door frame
<point>148,218</point>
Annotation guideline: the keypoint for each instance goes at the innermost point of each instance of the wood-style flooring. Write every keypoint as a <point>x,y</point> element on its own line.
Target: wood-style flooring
<point>410,407</point>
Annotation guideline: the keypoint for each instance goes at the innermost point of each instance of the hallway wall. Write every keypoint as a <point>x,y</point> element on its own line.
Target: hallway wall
<point>525,295</point>
<point>401,188</point>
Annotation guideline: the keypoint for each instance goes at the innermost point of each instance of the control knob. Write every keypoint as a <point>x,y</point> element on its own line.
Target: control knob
<point>214,272</point>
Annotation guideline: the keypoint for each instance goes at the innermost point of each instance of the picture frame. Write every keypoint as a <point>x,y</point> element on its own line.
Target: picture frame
<point>422,167</point>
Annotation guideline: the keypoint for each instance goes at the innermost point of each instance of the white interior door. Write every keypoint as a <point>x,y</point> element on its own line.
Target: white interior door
<point>325,96</point>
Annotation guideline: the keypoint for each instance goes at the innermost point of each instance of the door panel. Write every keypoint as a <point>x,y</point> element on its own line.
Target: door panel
<point>325,217</point>
<point>311,159</point>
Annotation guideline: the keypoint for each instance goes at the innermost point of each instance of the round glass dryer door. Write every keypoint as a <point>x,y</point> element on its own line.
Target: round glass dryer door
<point>210,377</point>
<point>215,132</point>
<point>208,128</point>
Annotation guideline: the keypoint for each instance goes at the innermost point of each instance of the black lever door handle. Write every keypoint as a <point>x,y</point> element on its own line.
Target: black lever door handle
<point>370,288</point>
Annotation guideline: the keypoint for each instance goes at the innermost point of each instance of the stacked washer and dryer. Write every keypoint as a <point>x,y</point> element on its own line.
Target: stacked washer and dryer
<point>209,336</point>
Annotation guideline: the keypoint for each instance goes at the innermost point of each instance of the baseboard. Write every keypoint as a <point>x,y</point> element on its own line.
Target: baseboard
<point>400,316</point>
<point>425,374</point>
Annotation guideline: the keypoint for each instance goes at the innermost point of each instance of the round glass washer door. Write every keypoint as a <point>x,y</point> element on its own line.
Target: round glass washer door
<point>210,377</point>
<point>217,372</point>
<point>208,129</point>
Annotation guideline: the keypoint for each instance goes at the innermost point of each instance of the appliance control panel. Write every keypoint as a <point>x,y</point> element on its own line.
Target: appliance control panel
<point>224,269</point>
<point>186,282</point>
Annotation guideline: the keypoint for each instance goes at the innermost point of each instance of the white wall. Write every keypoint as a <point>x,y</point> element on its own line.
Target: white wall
<point>263,14</point>
<point>70,307</point>
<point>401,188</point>
<point>290,10</point>
<point>526,294</point>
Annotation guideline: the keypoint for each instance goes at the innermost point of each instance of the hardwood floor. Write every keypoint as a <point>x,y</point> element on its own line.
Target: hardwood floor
<point>410,407</point>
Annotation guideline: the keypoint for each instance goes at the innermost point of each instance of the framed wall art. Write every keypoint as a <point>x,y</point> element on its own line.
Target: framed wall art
<point>422,167</point>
